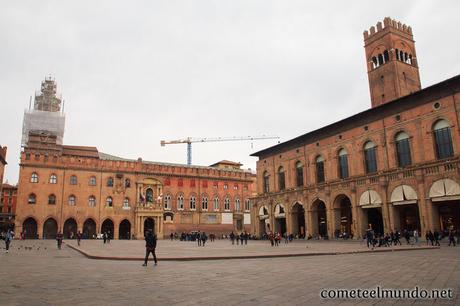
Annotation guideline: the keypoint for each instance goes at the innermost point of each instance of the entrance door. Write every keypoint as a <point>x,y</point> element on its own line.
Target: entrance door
<point>89,229</point>
<point>125,230</point>
<point>298,220</point>
<point>107,227</point>
<point>449,215</point>
<point>70,228</point>
<point>29,228</point>
<point>280,225</point>
<point>149,225</point>
<point>374,218</point>
<point>409,217</point>
<point>50,229</point>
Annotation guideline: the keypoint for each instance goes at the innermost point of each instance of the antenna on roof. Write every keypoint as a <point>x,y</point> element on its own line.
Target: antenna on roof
<point>63,105</point>
<point>30,102</point>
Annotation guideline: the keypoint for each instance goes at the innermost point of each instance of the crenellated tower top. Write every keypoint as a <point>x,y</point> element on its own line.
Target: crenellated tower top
<point>391,61</point>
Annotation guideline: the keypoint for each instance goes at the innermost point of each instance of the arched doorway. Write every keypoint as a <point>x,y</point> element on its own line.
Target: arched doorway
<point>298,220</point>
<point>319,218</point>
<point>343,217</point>
<point>264,225</point>
<point>375,220</point>
<point>70,228</point>
<point>404,202</point>
<point>29,228</point>
<point>149,225</point>
<point>50,228</point>
<point>107,227</point>
<point>445,196</point>
<point>124,230</point>
<point>89,229</point>
<point>280,219</point>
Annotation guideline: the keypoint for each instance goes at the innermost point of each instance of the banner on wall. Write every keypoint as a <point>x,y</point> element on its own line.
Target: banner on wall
<point>227,218</point>
<point>247,218</point>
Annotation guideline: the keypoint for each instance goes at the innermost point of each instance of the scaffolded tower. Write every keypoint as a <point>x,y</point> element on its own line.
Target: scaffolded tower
<point>46,116</point>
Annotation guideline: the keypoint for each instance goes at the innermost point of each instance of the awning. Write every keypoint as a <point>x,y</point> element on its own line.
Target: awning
<point>280,211</point>
<point>370,198</point>
<point>403,194</point>
<point>444,188</point>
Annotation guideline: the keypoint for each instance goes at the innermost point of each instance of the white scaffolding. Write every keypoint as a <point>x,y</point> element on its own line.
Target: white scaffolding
<point>43,121</point>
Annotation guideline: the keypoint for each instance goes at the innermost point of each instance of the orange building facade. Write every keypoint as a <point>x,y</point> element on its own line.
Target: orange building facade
<point>392,167</point>
<point>75,188</point>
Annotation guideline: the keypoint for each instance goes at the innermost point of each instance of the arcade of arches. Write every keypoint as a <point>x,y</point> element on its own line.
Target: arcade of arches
<point>349,217</point>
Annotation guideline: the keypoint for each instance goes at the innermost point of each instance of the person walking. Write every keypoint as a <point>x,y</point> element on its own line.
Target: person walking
<point>59,239</point>
<point>150,246</point>
<point>416,235</point>
<point>109,236</point>
<point>232,237</point>
<point>452,237</point>
<point>104,237</point>
<point>436,238</point>
<point>198,238</point>
<point>246,237</point>
<point>8,238</point>
<point>78,238</point>
<point>203,238</point>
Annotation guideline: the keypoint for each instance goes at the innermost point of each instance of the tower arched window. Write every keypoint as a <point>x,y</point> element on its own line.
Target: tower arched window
<point>126,203</point>
<point>53,179</point>
<point>403,149</point>
<point>227,204</point>
<point>167,202</point>
<point>266,182</point>
<point>247,205</point>
<point>109,202</point>
<point>32,199</point>
<point>192,203</point>
<point>370,158</point>
<point>281,179</point>
<point>92,181</point>
<point>92,201</point>
<point>443,139</point>
<point>34,178</point>
<point>320,169</point>
<point>72,200</point>
<point>299,174</point>
<point>51,199</point>
<point>204,203</point>
<point>110,182</point>
<point>343,164</point>
<point>216,204</point>
<point>73,180</point>
<point>127,183</point>
<point>237,205</point>
<point>180,202</point>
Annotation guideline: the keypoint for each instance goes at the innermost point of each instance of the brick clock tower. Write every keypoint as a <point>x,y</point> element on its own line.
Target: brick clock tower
<point>391,61</point>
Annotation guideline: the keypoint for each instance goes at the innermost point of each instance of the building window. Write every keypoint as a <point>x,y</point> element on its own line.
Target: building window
<point>167,202</point>
<point>227,204</point>
<point>403,150</point>
<point>225,186</point>
<point>215,185</point>
<point>126,203</point>
<point>92,181</point>
<point>72,200</point>
<point>237,205</point>
<point>34,178</point>
<point>216,204</point>
<point>235,187</point>
<point>73,180</point>
<point>370,159</point>
<point>180,202</point>
<point>109,202</point>
<point>192,203</point>
<point>51,199</point>
<point>443,139</point>
<point>91,201</point>
<point>299,174</point>
<point>281,179</point>
<point>110,182</point>
<point>127,183</point>
<point>204,203</point>
<point>266,182</point>
<point>320,169</point>
<point>53,179</point>
<point>247,205</point>
<point>32,199</point>
<point>343,164</point>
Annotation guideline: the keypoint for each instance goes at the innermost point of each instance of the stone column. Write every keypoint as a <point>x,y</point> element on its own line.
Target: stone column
<point>116,231</point>
<point>330,220</point>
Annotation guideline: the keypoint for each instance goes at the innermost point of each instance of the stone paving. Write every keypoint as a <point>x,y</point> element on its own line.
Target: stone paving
<point>134,249</point>
<point>43,275</point>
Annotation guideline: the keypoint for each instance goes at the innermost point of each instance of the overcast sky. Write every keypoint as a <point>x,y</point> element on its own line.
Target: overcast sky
<point>135,72</point>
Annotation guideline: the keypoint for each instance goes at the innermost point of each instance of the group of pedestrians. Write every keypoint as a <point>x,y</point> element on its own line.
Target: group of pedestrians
<point>243,237</point>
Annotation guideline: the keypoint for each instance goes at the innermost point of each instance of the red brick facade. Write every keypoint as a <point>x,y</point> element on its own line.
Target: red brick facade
<point>413,138</point>
<point>8,202</point>
<point>74,189</point>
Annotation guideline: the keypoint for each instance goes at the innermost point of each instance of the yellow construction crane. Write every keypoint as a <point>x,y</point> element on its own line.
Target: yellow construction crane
<point>190,140</point>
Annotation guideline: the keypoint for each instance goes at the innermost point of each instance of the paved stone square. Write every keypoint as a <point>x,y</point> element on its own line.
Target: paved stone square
<point>43,275</point>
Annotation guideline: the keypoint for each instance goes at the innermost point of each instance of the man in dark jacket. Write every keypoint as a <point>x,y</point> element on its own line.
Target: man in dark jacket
<point>150,245</point>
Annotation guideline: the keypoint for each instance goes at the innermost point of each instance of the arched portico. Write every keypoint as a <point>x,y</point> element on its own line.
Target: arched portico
<point>370,204</point>
<point>445,198</point>
<point>297,220</point>
<point>279,214</point>
<point>89,229</point>
<point>50,229</point>
<point>343,219</point>
<point>263,221</point>
<point>70,228</point>
<point>405,210</point>
<point>319,219</point>
<point>29,228</point>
